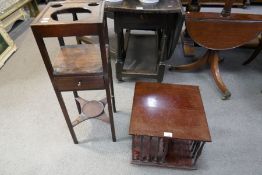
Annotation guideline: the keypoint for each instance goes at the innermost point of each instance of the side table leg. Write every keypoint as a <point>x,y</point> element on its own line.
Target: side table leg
<point>120,55</point>
<point>192,66</point>
<point>110,107</point>
<point>77,103</point>
<point>161,64</point>
<point>255,53</point>
<point>64,110</point>
<point>112,86</point>
<point>214,59</point>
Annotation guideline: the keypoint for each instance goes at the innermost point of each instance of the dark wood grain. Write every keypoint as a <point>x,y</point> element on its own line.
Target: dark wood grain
<point>165,18</point>
<point>167,108</point>
<point>223,33</point>
<point>77,67</point>
<point>135,6</point>
<point>159,108</point>
<point>220,31</point>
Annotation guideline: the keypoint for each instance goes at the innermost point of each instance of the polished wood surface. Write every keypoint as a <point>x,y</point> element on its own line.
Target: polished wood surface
<point>219,31</point>
<point>194,6</point>
<point>77,67</point>
<point>223,33</point>
<point>165,18</point>
<point>168,125</point>
<point>159,108</point>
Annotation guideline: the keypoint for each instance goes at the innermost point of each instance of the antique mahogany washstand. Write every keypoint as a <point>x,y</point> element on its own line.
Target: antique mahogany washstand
<point>77,67</point>
<point>217,32</point>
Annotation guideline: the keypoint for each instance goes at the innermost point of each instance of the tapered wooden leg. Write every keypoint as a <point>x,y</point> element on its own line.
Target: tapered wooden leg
<point>214,59</point>
<point>64,110</point>
<point>195,65</point>
<point>161,71</point>
<point>77,103</point>
<point>112,87</point>
<point>110,112</point>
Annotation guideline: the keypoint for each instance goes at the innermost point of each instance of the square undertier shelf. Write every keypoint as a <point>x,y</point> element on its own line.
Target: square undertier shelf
<point>78,59</point>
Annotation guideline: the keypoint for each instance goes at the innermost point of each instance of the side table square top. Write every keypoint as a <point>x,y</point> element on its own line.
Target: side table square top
<point>169,110</point>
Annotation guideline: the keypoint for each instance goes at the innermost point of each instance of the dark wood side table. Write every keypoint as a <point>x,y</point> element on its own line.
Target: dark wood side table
<point>165,17</point>
<point>168,125</point>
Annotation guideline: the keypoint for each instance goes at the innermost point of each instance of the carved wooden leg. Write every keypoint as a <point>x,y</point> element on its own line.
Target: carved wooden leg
<point>195,65</point>
<point>64,110</point>
<point>110,112</point>
<point>77,103</point>
<point>214,59</point>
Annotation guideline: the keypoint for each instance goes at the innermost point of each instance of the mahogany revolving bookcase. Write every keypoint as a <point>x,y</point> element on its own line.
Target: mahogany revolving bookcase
<point>168,125</point>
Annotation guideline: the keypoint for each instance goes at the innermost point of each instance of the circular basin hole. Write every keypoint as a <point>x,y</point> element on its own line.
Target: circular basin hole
<point>56,5</point>
<point>93,4</point>
<point>76,10</point>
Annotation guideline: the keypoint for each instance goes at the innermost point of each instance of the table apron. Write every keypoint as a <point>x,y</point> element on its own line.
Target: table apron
<point>144,21</point>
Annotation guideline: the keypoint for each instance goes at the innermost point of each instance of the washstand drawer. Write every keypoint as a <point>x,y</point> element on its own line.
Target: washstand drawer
<point>79,83</point>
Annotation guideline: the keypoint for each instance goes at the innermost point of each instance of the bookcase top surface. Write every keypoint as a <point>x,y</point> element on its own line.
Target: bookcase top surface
<point>169,110</point>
